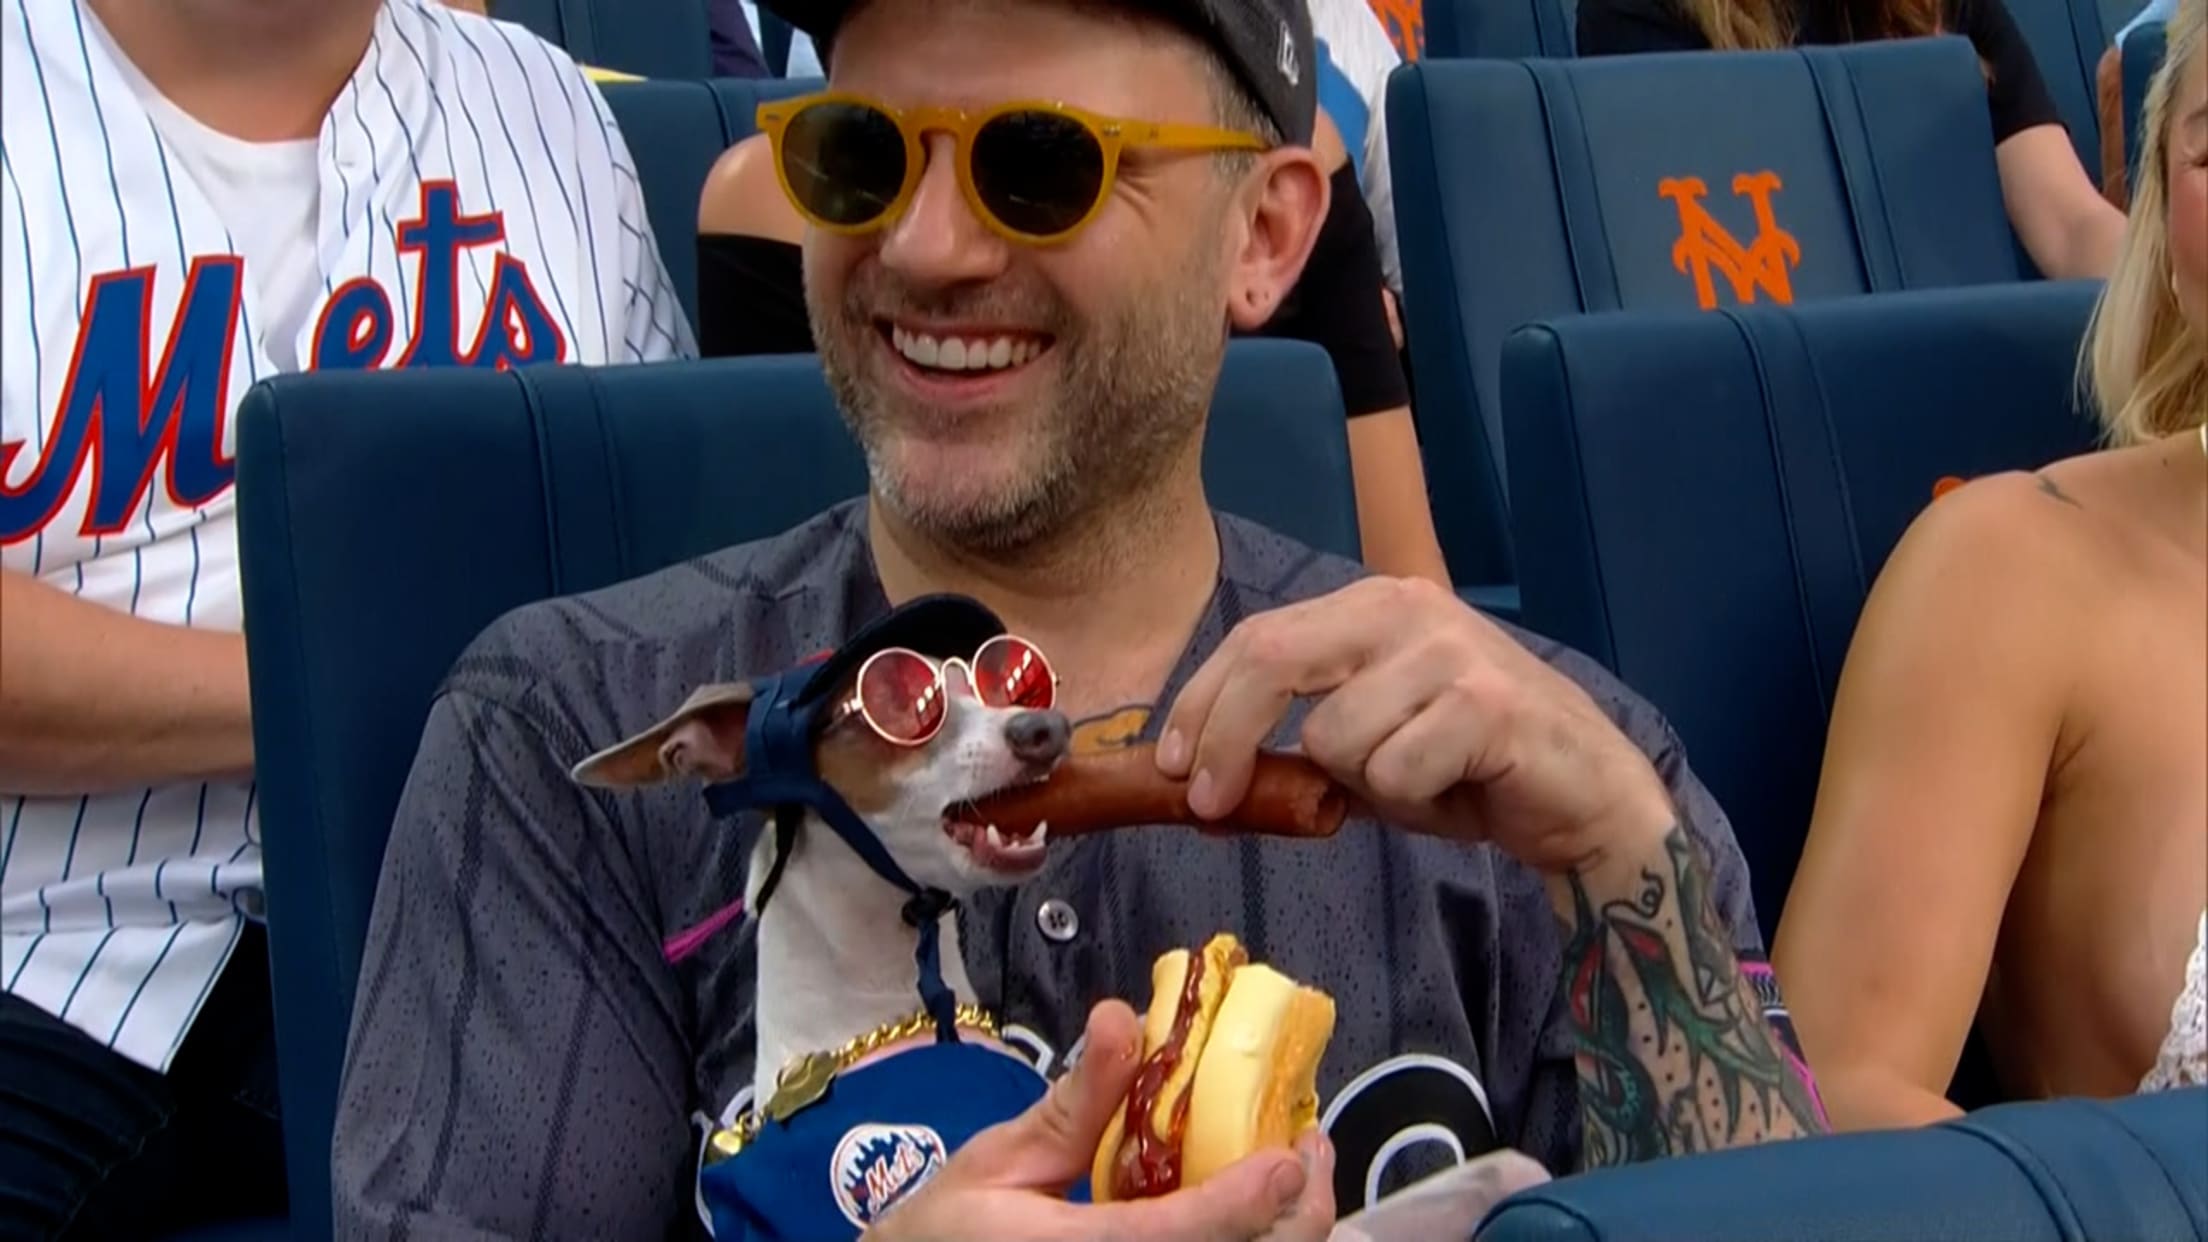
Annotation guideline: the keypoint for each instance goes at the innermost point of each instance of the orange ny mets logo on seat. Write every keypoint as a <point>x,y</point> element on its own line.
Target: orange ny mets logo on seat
<point>1704,244</point>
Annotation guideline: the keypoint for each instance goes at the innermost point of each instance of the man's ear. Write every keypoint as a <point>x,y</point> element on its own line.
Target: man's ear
<point>1289,196</point>
<point>704,738</point>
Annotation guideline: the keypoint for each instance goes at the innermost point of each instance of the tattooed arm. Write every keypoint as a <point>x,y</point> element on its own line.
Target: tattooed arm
<point>1674,1053</point>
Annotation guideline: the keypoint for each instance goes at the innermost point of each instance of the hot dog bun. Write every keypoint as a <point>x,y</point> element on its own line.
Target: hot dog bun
<point>1229,1067</point>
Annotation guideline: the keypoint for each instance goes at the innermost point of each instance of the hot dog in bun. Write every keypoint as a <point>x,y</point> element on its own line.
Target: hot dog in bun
<point>1230,1065</point>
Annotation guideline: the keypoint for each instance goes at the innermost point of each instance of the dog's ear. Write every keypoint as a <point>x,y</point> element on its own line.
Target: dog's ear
<point>704,738</point>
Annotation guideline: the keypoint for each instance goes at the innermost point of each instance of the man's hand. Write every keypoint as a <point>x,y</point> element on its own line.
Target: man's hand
<point>1432,715</point>
<point>1444,724</point>
<point>1010,1181</point>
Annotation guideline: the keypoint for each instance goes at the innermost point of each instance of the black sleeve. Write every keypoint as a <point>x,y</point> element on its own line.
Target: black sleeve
<point>1336,305</point>
<point>2017,94</point>
<point>751,297</point>
<point>1623,27</point>
<point>519,1059</point>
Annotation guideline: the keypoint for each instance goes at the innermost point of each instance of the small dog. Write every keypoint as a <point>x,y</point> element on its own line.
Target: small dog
<point>908,740</point>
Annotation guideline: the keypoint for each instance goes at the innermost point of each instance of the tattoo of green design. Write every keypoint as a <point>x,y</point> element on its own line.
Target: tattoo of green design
<point>1674,1053</point>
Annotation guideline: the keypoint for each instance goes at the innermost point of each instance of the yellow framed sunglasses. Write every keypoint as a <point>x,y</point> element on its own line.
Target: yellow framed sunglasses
<point>1035,172</point>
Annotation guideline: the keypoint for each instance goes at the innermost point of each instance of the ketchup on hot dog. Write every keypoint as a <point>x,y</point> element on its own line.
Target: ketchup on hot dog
<point>1149,1163</point>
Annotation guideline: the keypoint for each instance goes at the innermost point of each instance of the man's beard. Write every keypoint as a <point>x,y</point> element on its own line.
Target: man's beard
<point>1130,394</point>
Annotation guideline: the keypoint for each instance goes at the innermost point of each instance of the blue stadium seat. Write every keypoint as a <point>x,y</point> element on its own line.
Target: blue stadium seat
<point>676,130</point>
<point>521,485</point>
<point>650,38</point>
<point>1500,29</point>
<point>1704,500</point>
<point>2142,54</point>
<point>1536,188</point>
<point>2061,1171</point>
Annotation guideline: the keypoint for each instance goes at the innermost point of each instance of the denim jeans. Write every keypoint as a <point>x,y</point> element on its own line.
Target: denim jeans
<point>93,1145</point>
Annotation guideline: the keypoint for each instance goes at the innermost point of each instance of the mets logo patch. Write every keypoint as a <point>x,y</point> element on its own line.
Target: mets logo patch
<point>875,1166</point>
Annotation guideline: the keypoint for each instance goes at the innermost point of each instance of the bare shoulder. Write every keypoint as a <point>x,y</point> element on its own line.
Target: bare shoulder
<point>742,195</point>
<point>1994,521</point>
<point>2002,552</point>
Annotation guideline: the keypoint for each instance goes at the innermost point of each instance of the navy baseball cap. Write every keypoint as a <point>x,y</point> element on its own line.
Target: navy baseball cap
<point>1267,44</point>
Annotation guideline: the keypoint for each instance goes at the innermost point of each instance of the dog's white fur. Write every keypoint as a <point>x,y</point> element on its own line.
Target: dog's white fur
<point>836,957</point>
<point>835,953</point>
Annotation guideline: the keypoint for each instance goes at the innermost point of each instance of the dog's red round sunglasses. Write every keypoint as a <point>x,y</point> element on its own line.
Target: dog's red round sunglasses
<point>902,695</point>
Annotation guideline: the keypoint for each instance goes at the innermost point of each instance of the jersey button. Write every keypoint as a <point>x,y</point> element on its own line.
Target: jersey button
<point>1057,920</point>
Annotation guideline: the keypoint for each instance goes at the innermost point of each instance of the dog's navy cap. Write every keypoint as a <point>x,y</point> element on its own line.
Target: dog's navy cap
<point>937,626</point>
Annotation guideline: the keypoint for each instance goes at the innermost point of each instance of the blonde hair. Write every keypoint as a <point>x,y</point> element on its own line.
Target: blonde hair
<point>2149,370</point>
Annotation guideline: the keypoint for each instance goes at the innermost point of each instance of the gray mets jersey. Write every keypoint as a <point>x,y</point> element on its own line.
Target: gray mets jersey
<point>468,202</point>
<point>524,1062</point>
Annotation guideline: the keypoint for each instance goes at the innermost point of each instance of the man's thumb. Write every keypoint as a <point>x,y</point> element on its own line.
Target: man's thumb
<point>1053,1144</point>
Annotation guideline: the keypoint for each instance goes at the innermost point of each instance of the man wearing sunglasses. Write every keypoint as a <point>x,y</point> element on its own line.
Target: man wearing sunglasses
<point>1031,225</point>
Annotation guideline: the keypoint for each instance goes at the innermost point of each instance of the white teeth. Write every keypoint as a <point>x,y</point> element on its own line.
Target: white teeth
<point>996,839</point>
<point>1042,834</point>
<point>958,354</point>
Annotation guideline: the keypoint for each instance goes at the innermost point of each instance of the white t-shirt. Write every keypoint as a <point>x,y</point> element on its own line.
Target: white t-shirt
<point>468,200</point>
<point>268,193</point>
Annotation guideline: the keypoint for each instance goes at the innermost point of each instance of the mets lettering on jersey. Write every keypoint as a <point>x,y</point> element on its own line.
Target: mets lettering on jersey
<point>468,201</point>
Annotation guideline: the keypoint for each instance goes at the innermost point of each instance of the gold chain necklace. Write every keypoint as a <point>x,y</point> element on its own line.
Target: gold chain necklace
<point>803,1080</point>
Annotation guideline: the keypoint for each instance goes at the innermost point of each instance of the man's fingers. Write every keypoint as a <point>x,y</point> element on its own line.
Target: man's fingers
<point>1245,689</point>
<point>1312,1217</point>
<point>1241,1202</point>
<point>1342,731</point>
<point>1051,1145</point>
<point>1242,717</point>
<point>1184,722</point>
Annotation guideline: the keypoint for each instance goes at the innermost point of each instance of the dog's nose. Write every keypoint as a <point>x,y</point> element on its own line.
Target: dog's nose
<point>1037,737</point>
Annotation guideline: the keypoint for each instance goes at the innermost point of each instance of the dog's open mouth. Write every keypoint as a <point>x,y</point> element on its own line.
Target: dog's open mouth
<point>1017,850</point>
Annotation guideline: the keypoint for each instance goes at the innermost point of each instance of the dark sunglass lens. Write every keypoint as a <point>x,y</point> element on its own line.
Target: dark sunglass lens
<point>1038,171</point>
<point>845,161</point>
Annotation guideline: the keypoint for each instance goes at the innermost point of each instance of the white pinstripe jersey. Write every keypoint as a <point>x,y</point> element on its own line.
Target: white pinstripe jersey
<point>476,206</point>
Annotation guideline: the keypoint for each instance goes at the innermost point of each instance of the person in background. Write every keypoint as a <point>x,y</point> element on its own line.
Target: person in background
<point>736,51</point>
<point>1355,58</point>
<point>1405,23</point>
<point>2108,92</point>
<point>2009,822</point>
<point>2070,230</point>
<point>200,194</point>
<point>803,56</point>
<point>751,298</point>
